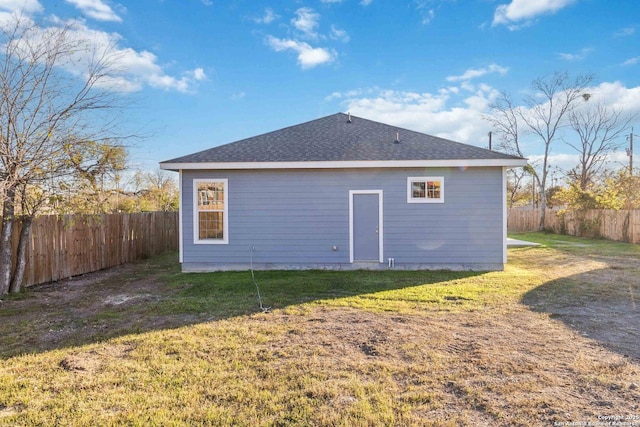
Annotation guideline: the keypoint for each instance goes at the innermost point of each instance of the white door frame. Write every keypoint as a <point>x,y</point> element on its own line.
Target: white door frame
<point>380,222</point>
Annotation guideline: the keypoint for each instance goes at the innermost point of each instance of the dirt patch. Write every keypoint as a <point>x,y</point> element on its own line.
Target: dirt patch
<point>602,304</point>
<point>573,244</point>
<point>86,309</point>
<point>108,303</point>
<point>93,360</point>
<point>6,412</point>
<point>468,368</point>
<point>124,298</point>
<point>570,352</point>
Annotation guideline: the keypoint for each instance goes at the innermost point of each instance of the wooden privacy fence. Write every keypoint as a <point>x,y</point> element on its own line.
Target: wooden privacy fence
<point>61,247</point>
<point>623,225</point>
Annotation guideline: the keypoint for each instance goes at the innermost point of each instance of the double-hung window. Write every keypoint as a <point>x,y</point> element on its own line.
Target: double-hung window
<point>425,189</point>
<point>210,222</point>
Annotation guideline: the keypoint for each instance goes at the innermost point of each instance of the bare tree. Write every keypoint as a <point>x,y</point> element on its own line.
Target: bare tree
<point>505,124</point>
<point>598,128</point>
<point>554,97</point>
<point>544,113</point>
<point>53,93</point>
<point>515,179</point>
<point>519,187</point>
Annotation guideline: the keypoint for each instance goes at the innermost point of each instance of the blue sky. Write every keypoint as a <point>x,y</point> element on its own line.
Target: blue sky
<point>200,73</point>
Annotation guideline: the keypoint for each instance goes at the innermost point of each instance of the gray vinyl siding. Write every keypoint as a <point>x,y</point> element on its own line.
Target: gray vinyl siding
<point>295,218</point>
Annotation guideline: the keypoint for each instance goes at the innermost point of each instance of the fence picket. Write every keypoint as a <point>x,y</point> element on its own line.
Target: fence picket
<point>623,225</point>
<point>61,247</point>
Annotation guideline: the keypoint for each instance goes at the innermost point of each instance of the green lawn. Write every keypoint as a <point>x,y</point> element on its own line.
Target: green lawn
<point>147,345</point>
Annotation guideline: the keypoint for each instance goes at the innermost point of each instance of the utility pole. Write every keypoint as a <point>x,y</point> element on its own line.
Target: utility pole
<point>630,152</point>
<point>489,140</point>
<point>533,191</point>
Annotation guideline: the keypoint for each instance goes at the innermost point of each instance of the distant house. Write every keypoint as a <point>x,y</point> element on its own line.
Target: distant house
<point>343,192</point>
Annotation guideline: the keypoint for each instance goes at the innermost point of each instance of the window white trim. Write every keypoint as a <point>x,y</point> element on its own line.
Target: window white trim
<point>426,199</point>
<point>225,215</point>
<point>380,223</point>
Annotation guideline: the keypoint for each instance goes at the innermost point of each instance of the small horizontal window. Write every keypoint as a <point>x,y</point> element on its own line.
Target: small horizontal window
<point>425,189</point>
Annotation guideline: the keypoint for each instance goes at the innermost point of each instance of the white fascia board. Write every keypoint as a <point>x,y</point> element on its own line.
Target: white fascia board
<point>509,163</point>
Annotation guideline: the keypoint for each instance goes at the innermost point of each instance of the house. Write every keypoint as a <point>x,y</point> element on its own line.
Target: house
<point>343,192</point>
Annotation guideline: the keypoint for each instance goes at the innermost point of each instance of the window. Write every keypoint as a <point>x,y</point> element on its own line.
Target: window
<point>210,222</point>
<point>425,189</point>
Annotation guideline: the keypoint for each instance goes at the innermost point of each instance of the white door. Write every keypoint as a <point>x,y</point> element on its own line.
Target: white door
<point>365,209</point>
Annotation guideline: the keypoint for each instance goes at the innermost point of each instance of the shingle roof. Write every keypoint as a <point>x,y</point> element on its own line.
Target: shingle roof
<point>336,139</point>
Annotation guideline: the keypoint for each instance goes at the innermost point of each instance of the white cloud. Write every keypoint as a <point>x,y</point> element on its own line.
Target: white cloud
<point>523,11</point>
<point>351,93</point>
<point>128,70</point>
<point>141,68</point>
<point>330,1</point>
<point>457,112</point>
<point>425,10</point>
<point>582,54</point>
<point>237,96</point>
<point>24,6</point>
<point>306,21</point>
<point>625,32</point>
<point>96,9</point>
<point>308,56</point>
<point>617,95</point>
<point>7,19</point>
<point>334,95</point>
<point>479,72</point>
<point>365,2</point>
<point>613,95</point>
<point>198,74</point>
<point>268,17</point>
<point>428,16</point>
<point>562,161</point>
<point>426,112</point>
<point>137,69</point>
<point>632,61</point>
<point>338,34</point>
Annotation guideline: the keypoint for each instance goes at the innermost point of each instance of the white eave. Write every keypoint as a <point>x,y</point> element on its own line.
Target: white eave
<point>509,163</point>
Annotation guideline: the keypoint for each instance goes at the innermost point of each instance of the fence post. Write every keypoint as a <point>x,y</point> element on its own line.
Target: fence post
<point>61,247</point>
<point>608,224</point>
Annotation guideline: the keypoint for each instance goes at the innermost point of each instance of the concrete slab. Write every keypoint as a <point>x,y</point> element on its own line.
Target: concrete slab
<point>515,243</point>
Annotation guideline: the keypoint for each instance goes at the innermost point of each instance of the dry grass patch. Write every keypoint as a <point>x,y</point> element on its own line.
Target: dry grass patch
<point>339,349</point>
<point>331,366</point>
